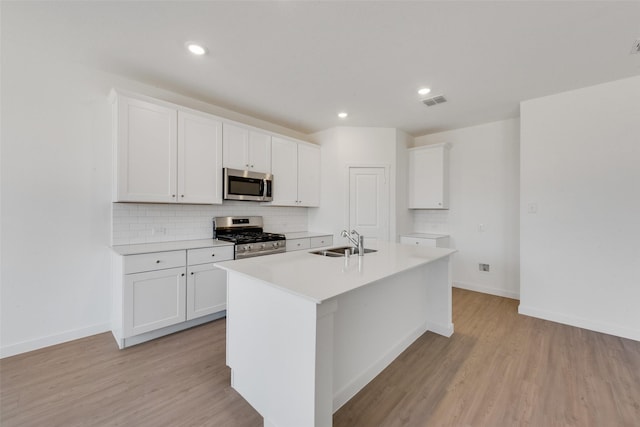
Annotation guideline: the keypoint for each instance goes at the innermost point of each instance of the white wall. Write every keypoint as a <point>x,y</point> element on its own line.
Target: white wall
<point>352,146</point>
<point>56,193</point>
<point>580,166</point>
<point>483,174</point>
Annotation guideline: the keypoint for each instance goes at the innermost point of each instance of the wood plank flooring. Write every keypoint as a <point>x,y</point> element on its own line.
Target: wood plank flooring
<point>498,369</point>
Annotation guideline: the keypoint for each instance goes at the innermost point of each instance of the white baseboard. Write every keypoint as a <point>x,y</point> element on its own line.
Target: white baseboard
<point>351,389</point>
<point>444,330</point>
<point>487,290</point>
<point>30,345</point>
<point>606,328</point>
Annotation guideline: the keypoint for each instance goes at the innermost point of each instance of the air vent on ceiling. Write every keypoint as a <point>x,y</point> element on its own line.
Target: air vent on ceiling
<point>434,100</point>
<point>636,47</point>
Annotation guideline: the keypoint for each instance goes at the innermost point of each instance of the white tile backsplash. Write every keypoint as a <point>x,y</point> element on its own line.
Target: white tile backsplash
<point>149,223</point>
<point>431,221</point>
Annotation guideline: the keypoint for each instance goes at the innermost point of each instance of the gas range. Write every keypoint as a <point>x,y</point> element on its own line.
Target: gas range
<point>248,236</point>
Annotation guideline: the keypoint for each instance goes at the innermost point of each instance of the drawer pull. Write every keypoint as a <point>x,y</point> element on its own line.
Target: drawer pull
<point>213,254</point>
<point>182,274</point>
<point>417,243</point>
<point>191,273</point>
<point>157,261</point>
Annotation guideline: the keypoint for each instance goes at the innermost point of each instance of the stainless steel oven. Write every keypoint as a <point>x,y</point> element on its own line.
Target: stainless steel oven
<point>247,185</point>
<point>248,236</point>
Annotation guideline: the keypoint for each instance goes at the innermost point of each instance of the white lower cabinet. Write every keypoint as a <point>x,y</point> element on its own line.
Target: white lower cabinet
<point>206,283</point>
<point>429,240</point>
<point>300,243</point>
<point>206,290</point>
<point>163,292</point>
<point>153,300</point>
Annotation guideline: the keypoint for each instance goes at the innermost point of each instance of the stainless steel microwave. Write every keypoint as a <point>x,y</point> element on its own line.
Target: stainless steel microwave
<point>247,185</point>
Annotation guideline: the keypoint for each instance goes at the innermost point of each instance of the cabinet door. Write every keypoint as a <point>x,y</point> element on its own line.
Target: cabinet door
<point>284,167</point>
<point>199,159</point>
<point>308,175</point>
<point>259,152</point>
<point>235,147</point>
<point>146,152</point>
<point>206,290</point>
<point>153,300</point>
<point>428,178</point>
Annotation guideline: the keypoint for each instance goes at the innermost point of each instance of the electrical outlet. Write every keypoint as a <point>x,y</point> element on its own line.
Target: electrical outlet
<point>483,267</point>
<point>158,231</point>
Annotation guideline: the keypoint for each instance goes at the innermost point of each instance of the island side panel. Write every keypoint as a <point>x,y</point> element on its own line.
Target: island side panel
<point>439,299</point>
<point>271,350</point>
<point>373,325</point>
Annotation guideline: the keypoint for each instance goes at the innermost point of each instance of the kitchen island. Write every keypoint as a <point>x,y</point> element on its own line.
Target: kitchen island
<point>306,332</point>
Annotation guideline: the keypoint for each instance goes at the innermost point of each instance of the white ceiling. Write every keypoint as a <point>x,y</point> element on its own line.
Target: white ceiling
<point>298,64</point>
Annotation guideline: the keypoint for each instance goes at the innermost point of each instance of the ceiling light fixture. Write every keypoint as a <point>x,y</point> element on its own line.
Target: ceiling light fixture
<point>196,49</point>
<point>343,115</point>
<point>424,91</point>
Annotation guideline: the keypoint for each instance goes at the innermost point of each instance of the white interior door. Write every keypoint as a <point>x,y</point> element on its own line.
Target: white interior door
<point>369,202</point>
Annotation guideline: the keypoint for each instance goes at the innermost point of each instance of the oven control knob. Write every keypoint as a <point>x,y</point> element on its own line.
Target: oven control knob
<point>275,244</point>
<point>262,246</point>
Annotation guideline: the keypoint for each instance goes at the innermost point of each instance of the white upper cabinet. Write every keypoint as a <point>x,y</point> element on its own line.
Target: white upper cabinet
<point>166,154</point>
<point>259,152</point>
<point>147,150</point>
<point>429,177</point>
<point>200,159</point>
<point>246,149</point>
<point>296,173</point>
<point>308,175</point>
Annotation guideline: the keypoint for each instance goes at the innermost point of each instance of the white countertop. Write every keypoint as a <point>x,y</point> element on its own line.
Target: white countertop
<point>305,235</point>
<point>177,245</point>
<point>320,278</point>
<point>426,235</point>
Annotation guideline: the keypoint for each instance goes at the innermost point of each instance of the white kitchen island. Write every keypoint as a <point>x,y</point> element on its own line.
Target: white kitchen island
<point>306,332</point>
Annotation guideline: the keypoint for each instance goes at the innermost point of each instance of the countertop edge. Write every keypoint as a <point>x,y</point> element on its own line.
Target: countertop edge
<point>176,245</point>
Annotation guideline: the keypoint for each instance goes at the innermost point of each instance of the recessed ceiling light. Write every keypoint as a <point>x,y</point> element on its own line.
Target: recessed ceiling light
<point>343,115</point>
<point>196,49</point>
<point>424,91</point>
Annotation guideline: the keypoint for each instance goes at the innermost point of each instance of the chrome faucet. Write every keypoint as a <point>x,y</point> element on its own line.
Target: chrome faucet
<point>357,241</point>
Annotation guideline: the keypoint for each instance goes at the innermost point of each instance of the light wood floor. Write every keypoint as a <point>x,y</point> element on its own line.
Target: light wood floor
<point>498,369</point>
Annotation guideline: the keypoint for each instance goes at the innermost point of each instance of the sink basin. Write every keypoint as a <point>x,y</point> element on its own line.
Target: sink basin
<point>339,251</point>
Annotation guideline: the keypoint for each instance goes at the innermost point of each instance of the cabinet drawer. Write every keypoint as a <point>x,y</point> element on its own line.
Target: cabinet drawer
<point>208,255</point>
<point>154,261</point>
<point>298,244</point>
<point>320,241</point>
<point>419,241</point>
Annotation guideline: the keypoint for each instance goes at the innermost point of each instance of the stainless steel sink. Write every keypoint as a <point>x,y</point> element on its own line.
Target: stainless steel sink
<point>339,251</point>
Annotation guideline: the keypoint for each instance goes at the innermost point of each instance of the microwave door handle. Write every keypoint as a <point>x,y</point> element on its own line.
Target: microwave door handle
<point>264,189</point>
